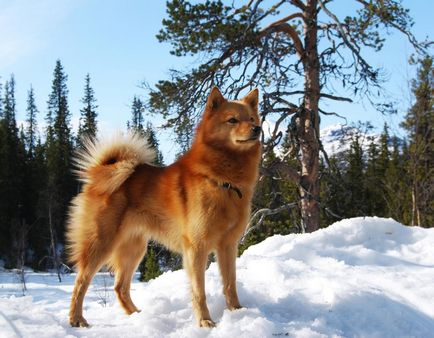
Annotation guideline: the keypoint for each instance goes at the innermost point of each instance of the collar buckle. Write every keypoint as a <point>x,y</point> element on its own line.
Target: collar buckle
<point>228,186</point>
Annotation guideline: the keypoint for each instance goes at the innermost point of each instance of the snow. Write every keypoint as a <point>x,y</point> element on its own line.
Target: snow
<point>361,277</point>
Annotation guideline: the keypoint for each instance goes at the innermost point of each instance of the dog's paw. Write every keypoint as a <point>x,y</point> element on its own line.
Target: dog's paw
<point>78,321</point>
<point>131,311</point>
<point>235,307</point>
<point>206,323</point>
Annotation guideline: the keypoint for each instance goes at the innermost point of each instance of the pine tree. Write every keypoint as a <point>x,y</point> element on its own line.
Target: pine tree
<point>419,123</point>
<point>88,124</point>
<point>61,185</point>
<point>294,51</point>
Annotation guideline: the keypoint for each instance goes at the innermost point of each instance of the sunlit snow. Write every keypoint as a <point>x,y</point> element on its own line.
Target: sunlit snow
<point>361,277</point>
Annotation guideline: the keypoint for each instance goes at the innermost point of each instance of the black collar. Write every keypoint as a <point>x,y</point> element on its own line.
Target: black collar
<point>226,185</point>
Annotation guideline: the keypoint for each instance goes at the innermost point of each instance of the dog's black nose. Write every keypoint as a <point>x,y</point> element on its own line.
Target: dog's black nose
<point>256,130</point>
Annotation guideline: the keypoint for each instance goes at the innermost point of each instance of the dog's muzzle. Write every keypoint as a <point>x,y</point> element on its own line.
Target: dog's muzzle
<point>256,131</point>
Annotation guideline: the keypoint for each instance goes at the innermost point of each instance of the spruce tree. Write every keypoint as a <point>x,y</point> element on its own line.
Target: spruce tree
<point>374,179</point>
<point>13,226</point>
<point>406,182</point>
<point>150,265</point>
<point>88,124</point>
<point>60,185</point>
<point>35,182</point>
<point>378,163</point>
<point>32,125</point>
<point>3,227</point>
<point>333,191</point>
<point>153,142</point>
<point>355,203</point>
<point>137,120</point>
<point>419,122</point>
<point>384,153</point>
<point>396,184</point>
<point>1,101</point>
<point>149,268</point>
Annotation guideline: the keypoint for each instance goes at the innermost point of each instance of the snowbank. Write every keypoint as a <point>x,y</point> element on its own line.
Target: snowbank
<point>368,277</point>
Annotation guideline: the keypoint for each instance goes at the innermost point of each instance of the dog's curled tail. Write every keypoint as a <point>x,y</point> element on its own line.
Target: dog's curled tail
<point>105,164</point>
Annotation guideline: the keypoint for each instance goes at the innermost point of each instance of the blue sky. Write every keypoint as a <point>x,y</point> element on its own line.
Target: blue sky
<point>115,42</point>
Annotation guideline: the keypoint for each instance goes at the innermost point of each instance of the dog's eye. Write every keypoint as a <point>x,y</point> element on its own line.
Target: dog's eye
<point>252,119</point>
<point>233,120</point>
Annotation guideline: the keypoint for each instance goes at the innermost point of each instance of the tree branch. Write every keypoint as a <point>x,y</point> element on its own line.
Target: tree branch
<point>262,213</point>
<point>334,114</point>
<point>336,98</point>
<point>354,48</point>
<point>283,27</point>
<point>298,3</point>
<point>408,34</point>
<point>284,169</point>
<point>327,96</point>
<point>288,18</point>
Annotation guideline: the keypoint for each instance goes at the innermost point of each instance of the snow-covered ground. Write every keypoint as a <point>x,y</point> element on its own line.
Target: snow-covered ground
<point>361,277</point>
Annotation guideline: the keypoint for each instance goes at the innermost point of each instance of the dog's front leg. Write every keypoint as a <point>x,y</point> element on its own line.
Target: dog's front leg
<point>226,257</point>
<point>195,259</point>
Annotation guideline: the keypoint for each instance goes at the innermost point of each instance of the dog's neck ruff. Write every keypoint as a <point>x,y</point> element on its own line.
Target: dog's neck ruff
<point>227,186</point>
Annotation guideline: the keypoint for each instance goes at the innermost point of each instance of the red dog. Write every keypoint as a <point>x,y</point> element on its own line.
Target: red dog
<point>199,204</point>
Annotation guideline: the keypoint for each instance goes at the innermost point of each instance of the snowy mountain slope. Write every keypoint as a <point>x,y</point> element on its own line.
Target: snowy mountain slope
<point>367,277</point>
<point>337,138</point>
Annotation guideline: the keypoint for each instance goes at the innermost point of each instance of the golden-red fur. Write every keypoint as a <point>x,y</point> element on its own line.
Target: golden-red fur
<point>188,206</point>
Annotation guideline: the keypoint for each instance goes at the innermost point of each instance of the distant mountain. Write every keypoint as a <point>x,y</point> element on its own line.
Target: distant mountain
<point>337,138</point>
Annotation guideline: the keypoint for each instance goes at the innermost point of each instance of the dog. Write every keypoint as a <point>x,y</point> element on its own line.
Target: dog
<point>198,205</point>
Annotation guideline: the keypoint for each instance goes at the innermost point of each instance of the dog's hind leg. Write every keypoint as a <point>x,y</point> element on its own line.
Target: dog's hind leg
<point>124,261</point>
<point>87,268</point>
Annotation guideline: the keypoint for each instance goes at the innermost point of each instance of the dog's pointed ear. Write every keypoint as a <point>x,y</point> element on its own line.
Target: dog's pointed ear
<point>215,99</point>
<point>252,98</point>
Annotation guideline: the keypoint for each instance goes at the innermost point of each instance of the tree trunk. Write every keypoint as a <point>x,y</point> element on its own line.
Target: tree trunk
<point>309,124</point>
<point>55,257</point>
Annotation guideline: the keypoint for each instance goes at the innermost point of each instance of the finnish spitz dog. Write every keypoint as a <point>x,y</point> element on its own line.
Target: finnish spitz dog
<point>197,205</point>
